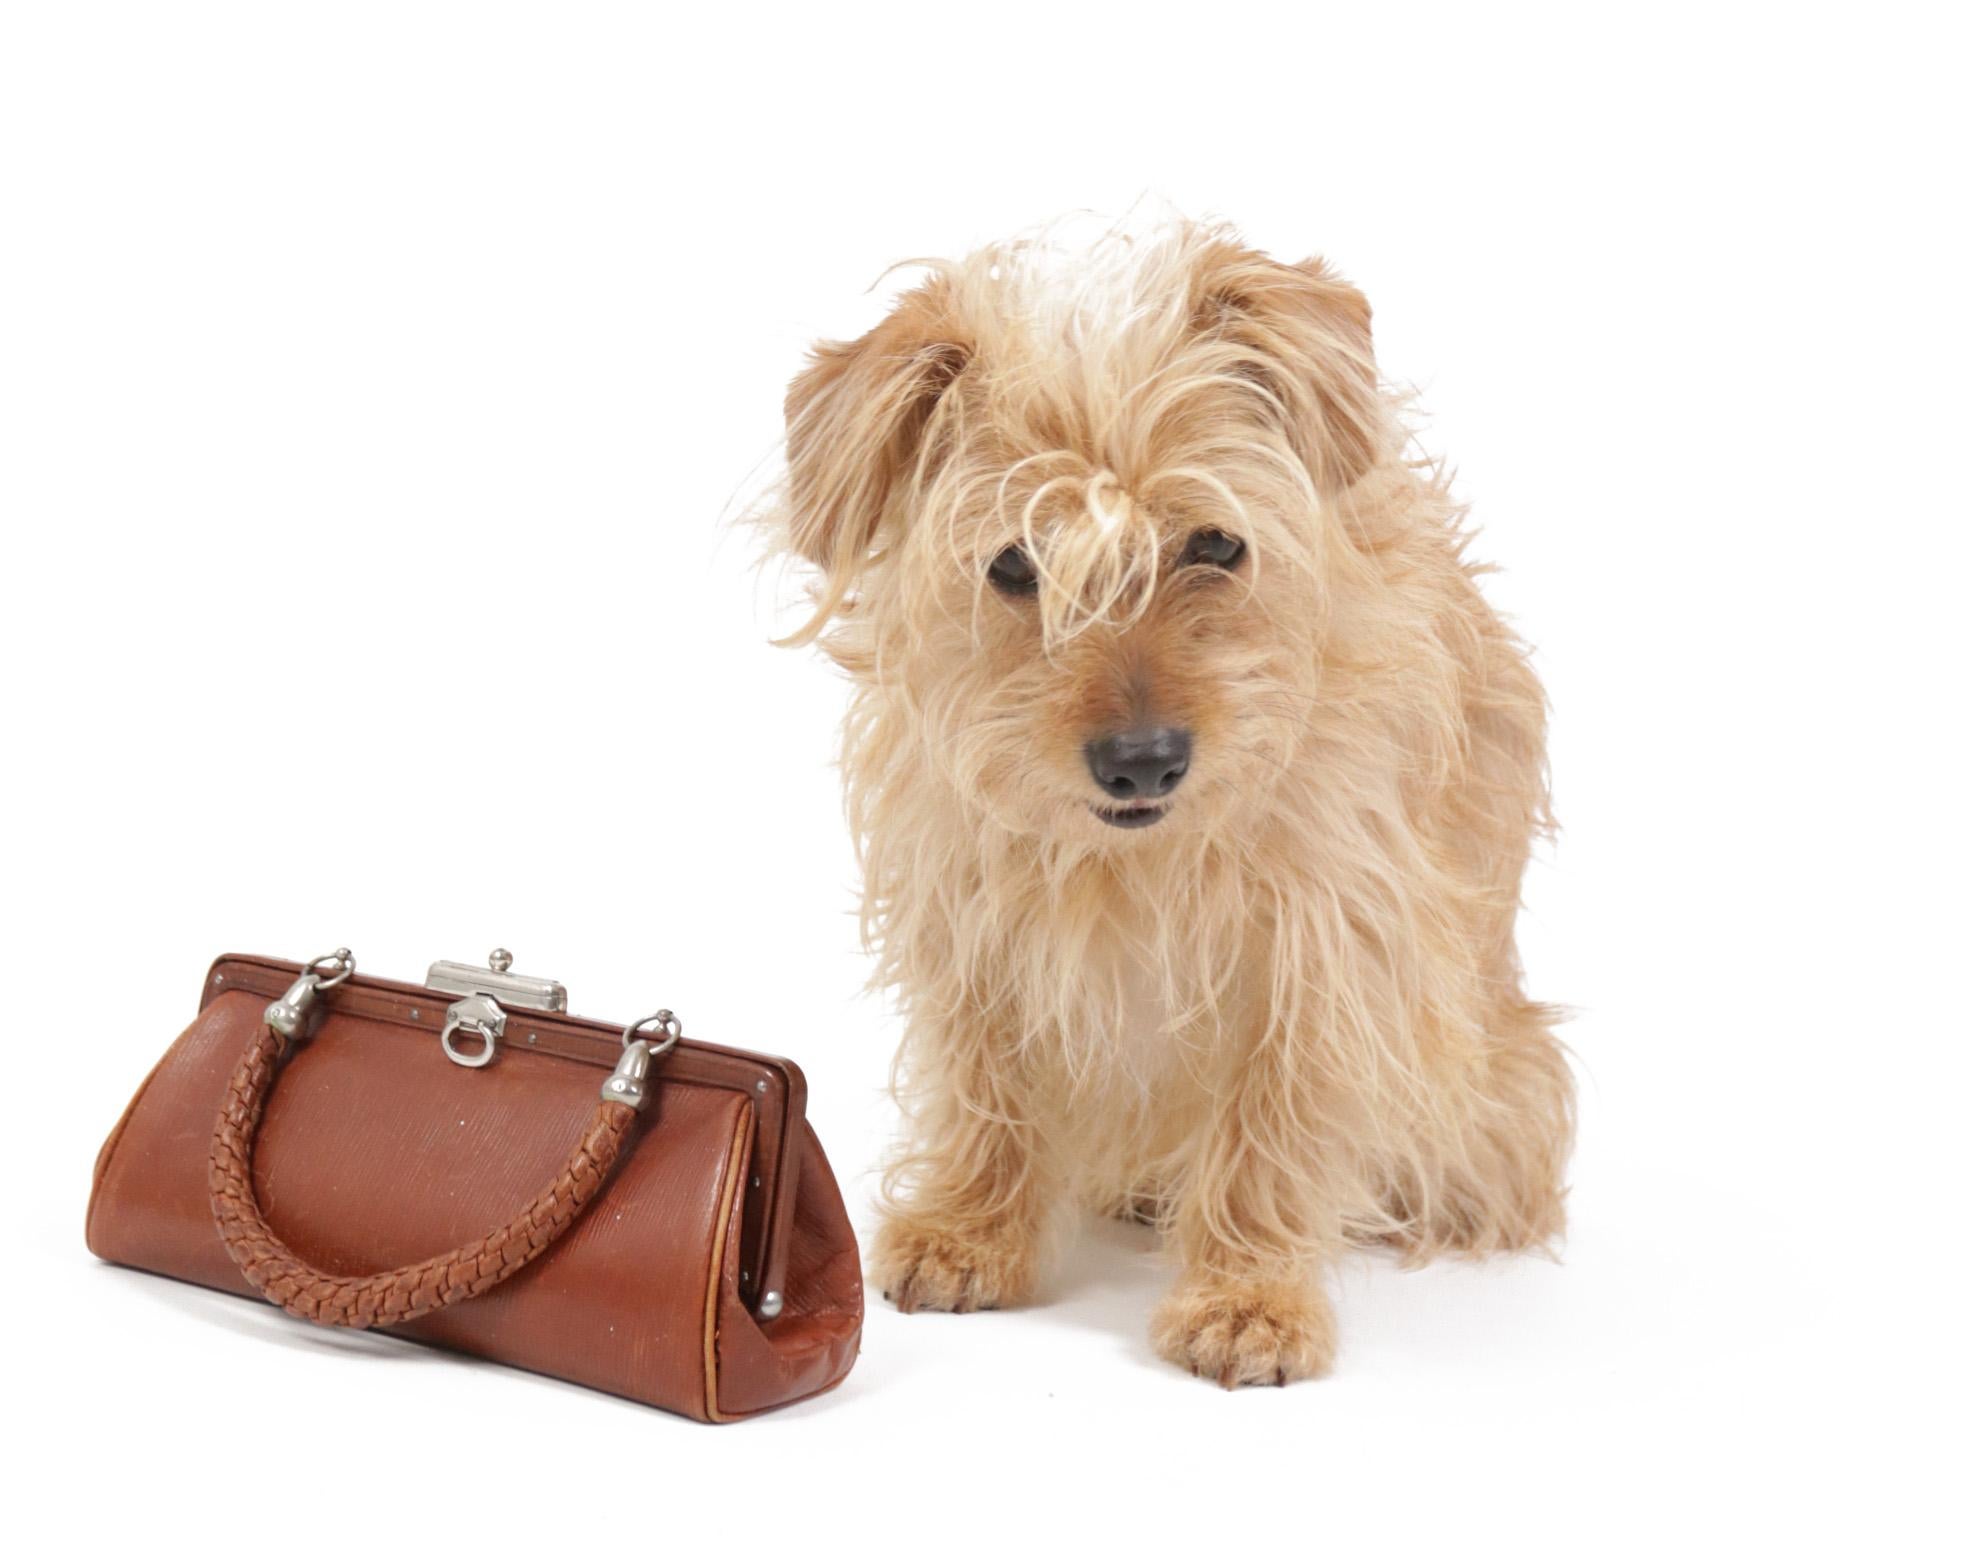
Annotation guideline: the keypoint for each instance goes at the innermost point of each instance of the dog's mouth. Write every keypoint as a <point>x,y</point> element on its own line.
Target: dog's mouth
<point>1130,814</point>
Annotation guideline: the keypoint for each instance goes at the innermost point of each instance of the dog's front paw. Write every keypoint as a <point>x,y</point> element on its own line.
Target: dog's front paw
<point>920,1266</point>
<point>1236,1332</point>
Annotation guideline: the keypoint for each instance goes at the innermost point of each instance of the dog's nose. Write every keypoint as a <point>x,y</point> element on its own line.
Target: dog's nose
<point>1140,763</point>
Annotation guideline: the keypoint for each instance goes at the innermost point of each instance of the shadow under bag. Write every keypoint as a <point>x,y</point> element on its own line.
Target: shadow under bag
<point>465,1163</point>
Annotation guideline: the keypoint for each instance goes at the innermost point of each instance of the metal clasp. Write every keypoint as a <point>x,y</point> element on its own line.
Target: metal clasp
<point>477,1015</point>
<point>537,992</point>
<point>480,1012</point>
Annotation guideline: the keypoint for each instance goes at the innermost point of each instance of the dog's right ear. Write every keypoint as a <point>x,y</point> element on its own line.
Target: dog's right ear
<point>854,425</point>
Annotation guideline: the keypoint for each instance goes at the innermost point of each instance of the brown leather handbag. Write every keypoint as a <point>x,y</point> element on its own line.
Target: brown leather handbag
<point>620,1207</point>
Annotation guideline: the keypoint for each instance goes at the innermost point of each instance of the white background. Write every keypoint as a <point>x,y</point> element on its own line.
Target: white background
<point>375,384</point>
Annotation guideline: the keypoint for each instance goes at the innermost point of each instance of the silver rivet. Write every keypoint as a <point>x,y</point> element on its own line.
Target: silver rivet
<point>500,960</point>
<point>216,978</point>
<point>416,1013</point>
<point>745,1278</point>
<point>755,1181</point>
<point>533,1037</point>
<point>762,1085</point>
<point>771,1306</point>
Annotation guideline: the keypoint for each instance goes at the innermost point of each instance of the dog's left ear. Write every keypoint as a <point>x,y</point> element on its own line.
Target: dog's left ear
<point>855,420</point>
<point>1305,340</point>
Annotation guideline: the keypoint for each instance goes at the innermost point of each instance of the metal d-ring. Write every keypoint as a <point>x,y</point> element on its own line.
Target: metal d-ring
<point>662,1027</point>
<point>640,1042</point>
<point>481,1058</point>
<point>341,964</point>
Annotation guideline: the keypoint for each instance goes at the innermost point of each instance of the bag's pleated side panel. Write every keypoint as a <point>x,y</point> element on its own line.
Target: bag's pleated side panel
<point>812,1344</point>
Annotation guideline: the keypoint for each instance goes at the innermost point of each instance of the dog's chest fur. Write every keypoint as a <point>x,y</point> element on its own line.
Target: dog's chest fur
<point>1139,1050</point>
<point>1119,1007</point>
<point>1133,1006</point>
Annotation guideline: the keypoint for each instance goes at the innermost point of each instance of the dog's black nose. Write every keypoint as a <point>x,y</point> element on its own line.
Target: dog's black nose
<point>1140,763</point>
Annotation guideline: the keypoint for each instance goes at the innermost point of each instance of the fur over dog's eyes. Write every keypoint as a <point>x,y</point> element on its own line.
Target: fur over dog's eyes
<point>1012,573</point>
<point>1214,548</point>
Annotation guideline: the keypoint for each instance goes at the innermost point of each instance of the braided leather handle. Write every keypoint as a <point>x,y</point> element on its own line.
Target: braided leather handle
<point>390,1297</point>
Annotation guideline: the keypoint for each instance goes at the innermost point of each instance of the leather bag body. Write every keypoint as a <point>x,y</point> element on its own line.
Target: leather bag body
<point>646,1267</point>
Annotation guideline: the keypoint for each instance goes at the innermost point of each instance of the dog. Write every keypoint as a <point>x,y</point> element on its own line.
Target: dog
<point>1193,782</point>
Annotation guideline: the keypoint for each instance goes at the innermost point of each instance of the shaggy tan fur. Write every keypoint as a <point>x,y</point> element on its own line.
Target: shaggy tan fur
<point>1288,1017</point>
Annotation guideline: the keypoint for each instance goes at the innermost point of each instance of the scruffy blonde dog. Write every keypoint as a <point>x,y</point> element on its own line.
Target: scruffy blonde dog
<point>1193,782</point>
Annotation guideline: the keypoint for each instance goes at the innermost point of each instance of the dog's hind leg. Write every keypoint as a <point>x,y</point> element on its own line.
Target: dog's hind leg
<point>1492,1178</point>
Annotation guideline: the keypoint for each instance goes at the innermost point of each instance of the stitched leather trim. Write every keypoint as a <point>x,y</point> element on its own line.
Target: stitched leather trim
<point>722,1232</point>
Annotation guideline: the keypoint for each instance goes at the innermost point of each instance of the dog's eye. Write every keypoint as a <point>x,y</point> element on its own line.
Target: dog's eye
<point>1215,548</point>
<point>1012,573</point>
